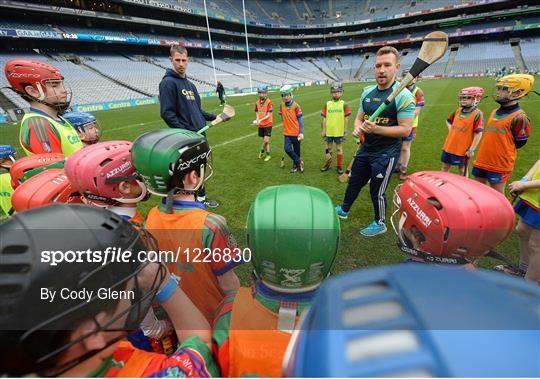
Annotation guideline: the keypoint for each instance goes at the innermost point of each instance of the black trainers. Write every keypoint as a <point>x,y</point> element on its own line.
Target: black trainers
<point>301,168</point>
<point>325,168</point>
<point>294,169</point>
<point>210,203</point>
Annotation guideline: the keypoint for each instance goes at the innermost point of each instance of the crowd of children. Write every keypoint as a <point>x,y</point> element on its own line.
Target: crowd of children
<point>188,315</point>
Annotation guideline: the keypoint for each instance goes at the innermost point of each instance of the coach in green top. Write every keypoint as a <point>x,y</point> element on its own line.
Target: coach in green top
<point>379,153</point>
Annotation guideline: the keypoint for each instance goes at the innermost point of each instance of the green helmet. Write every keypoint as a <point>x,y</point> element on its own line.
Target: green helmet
<point>293,234</point>
<point>163,157</point>
<point>287,88</point>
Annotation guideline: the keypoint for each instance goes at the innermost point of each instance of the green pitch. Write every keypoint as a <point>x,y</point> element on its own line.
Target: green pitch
<point>239,174</point>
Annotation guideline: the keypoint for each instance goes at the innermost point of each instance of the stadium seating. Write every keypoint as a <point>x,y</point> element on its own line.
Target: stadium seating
<point>478,58</point>
<point>9,24</point>
<point>86,85</point>
<point>141,75</point>
<point>530,50</point>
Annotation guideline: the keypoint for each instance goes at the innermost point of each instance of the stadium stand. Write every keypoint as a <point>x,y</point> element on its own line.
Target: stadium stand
<point>141,75</point>
<point>126,74</point>
<point>478,58</point>
<point>87,86</point>
<point>530,50</point>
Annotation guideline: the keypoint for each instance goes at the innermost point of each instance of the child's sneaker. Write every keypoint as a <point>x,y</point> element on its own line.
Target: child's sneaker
<point>340,170</point>
<point>373,229</point>
<point>267,158</point>
<point>341,213</point>
<point>294,169</point>
<point>301,168</point>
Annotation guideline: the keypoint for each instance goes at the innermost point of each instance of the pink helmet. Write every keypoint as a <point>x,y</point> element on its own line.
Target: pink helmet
<point>476,92</point>
<point>96,171</point>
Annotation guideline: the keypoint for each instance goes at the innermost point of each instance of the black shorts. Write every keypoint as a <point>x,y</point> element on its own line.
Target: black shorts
<point>263,132</point>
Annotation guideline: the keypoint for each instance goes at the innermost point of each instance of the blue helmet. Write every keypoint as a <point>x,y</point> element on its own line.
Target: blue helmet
<point>7,152</point>
<point>80,121</point>
<point>419,320</point>
<point>262,88</point>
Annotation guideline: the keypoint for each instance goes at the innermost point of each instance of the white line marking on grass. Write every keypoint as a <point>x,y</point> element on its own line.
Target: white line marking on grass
<point>137,124</point>
<point>160,120</point>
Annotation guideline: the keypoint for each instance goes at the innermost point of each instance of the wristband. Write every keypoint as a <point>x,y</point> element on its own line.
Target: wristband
<point>523,180</point>
<point>168,289</point>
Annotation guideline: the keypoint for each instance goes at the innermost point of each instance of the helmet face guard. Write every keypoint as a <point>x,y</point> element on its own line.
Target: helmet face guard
<point>446,218</point>
<point>7,156</point>
<point>54,93</point>
<point>336,91</point>
<point>466,101</point>
<point>470,97</point>
<point>97,170</point>
<point>411,239</point>
<point>86,125</point>
<point>512,87</point>
<point>39,338</point>
<point>90,133</point>
<point>263,95</point>
<point>285,91</point>
<point>125,316</point>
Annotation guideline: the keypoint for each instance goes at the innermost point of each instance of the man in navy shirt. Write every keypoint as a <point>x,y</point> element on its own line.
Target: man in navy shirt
<point>380,151</point>
<point>180,103</point>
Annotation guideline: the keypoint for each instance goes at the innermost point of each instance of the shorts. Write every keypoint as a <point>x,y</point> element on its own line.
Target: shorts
<point>265,132</point>
<point>529,215</point>
<point>337,140</point>
<point>411,136</point>
<point>492,177</point>
<point>452,159</point>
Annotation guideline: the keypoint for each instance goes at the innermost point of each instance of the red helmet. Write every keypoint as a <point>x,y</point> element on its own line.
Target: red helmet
<point>476,92</point>
<point>96,170</point>
<point>447,215</point>
<point>50,186</point>
<point>31,162</point>
<point>22,72</point>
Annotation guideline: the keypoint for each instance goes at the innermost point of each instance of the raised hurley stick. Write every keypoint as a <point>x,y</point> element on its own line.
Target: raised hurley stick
<point>433,48</point>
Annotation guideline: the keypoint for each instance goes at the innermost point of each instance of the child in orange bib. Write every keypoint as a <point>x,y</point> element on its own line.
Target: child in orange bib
<point>293,234</point>
<point>293,127</point>
<point>507,130</point>
<point>174,164</point>
<point>264,120</point>
<point>465,127</point>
